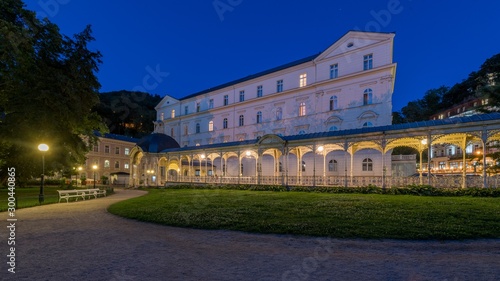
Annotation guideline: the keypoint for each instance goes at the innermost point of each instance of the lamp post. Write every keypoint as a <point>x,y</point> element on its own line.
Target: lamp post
<point>94,168</point>
<point>43,148</point>
<point>79,173</point>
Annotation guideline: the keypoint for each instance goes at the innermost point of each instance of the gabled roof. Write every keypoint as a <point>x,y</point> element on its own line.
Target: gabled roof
<point>316,57</point>
<point>253,76</point>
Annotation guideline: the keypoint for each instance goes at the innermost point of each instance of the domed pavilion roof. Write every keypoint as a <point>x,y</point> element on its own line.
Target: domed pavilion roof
<point>155,143</point>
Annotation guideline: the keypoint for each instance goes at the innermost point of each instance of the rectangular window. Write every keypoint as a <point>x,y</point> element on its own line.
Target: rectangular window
<point>186,110</point>
<point>368,62</point>
<point>186,130</point>
<point>106,149</point>
<point>279,86</point>
<point>125,166</point>
<point>172,114</point>
<point>226,100</point>
<point>302,109</point>
<point>303,80</point>
<point>334,71</point>
<point>96,148</point>
<point>117,150</point>
<point>242,96</point>
<point>197,107</point>
<point>117,164</point>
<point>211,103</point>
<point>127,151</point>
<point>259,91</point>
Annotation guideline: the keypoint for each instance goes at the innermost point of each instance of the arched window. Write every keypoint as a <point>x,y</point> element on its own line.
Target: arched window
<point>198,128</point>
<point>333,103</point>
<point>302,109</point>
<point>367,165</point>
<point>224,123</point>
<point>303,166</point>
<point>259,117</point>
<point>333,128</point>
<point>279,113</point>
<point>367,124</point>
<point>242,120</point>
<point>211,126</point>
<point>367,97</point>
<point>302,132</point>
<point>332,165</point>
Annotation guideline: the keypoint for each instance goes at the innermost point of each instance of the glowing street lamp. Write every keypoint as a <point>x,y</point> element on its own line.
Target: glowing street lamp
<point>94,168</point>
<point>43,148</point>
<point>79,173</point>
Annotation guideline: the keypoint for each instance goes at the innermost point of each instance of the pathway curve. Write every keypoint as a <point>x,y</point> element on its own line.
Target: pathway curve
<point>82,241</point>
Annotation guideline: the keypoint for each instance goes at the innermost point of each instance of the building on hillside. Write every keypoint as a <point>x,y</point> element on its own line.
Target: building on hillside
<point>111,156</point>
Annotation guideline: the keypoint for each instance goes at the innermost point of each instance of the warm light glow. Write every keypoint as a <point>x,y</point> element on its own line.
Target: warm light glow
<point>43,147</point>
<point>248,153</point>
<point>478,152</point>
<point>94,167</point>
<point>321,148</point>
<point>203,156</point>
<point>424,141</point>
<point>80,168</point>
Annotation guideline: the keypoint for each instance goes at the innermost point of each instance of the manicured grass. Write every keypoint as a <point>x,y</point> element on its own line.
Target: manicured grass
<point>371,216</point>
<point>28,196</point>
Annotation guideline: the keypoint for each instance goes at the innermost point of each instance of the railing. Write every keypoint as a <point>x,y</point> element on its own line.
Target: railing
<point>436,181</point>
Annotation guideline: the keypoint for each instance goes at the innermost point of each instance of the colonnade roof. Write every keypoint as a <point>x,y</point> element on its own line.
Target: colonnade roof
<point>343,134</point>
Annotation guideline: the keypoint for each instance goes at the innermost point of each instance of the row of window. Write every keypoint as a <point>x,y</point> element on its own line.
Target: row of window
<point>116,164</point>
<point>334,73</point>
<point>107,149</point>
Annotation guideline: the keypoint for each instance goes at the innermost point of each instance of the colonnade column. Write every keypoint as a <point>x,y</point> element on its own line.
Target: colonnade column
<point>484,139</point>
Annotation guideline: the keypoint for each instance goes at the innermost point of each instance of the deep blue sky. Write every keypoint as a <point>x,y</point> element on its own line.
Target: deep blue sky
<point>437,42</point>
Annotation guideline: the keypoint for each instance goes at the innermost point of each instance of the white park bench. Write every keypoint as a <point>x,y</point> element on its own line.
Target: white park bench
<point>80,193</point>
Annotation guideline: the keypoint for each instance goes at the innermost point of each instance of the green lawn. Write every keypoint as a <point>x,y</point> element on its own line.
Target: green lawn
<point>28,196</point>
<point>370,216</point>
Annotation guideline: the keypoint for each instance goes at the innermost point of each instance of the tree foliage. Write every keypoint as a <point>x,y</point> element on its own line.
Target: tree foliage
<point>47,90</point>
<point>128,113</point>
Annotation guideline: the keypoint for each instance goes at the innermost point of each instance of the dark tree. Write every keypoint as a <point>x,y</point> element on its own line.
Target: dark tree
<point>47,90</point>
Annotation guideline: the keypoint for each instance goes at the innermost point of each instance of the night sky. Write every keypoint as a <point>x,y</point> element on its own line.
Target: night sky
<point>193,45</point>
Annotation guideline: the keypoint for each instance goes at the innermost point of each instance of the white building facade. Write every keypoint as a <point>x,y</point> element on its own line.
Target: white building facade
<point>348,86</point>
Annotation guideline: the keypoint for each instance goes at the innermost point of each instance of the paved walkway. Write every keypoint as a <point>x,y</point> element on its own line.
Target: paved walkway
<point>82,241</point>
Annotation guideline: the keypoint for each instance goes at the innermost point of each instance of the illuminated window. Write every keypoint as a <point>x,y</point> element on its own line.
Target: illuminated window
<point>126,166</point>
<point>303,80</point>
<point>334,71</point>
<point>367,165</point>
<point>368,62</point>
<point>302,109</point>
<point>172,114</point>
<point>211,126</point>
<point>106,163</point>
<point>127,151</point>
<point>162,116</point>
